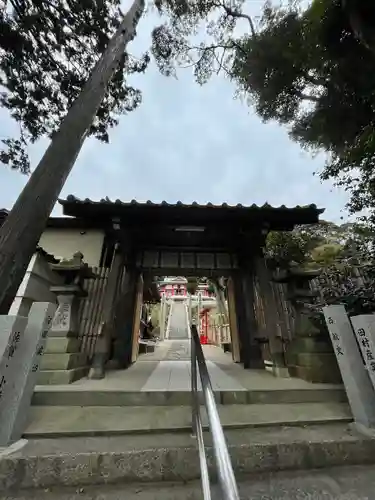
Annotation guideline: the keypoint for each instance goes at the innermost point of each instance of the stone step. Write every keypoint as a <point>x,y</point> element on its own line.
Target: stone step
<point>65,421</point>
<point>77,395</point>
<point>354,483</point>
<point>81,462</point>
<point>63,361</point>
<point>58,377</point>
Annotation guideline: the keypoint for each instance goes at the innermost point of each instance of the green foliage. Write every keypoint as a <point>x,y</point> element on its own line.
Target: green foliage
<point>47,51</point>
<point>307,68</point>
<point>340,284</point>
<point>319,245</point>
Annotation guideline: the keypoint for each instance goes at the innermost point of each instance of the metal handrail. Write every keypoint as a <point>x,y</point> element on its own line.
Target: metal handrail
<point>226,476</point>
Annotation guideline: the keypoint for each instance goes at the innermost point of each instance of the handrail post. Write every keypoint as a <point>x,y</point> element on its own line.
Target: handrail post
<point>194,388</point>
<point>222,458</point>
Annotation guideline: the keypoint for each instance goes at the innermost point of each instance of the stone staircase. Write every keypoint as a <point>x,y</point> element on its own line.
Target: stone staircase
<point>142,440</point>
<point>151,461</point>
<point>137,444</point>
<point>354,483</point>
<point>177,326</point>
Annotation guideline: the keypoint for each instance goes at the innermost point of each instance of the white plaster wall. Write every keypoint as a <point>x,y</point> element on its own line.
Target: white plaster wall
<point>35,286</point>
<point>63,243</point>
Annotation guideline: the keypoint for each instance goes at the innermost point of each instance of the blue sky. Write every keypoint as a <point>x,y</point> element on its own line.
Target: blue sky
<point>189,143</point>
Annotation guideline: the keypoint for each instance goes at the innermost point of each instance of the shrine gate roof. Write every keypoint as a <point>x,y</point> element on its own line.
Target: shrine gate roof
<point>134,212</point>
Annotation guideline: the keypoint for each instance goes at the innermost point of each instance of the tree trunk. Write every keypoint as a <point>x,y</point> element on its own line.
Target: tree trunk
<point>24,225</point>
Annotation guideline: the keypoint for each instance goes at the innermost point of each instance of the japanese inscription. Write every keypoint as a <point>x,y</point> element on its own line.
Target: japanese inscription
<point>14,344</point>
<point>62,316</point>
<point>365,341</point>
<point>335,338</point>
<point>347,337</point>
<point>2,384</point>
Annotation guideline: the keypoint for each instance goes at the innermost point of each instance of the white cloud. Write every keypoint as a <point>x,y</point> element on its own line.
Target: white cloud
<point>187,143</point>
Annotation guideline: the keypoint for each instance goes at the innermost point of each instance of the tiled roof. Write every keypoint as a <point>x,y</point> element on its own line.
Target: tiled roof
<point>106,201</point>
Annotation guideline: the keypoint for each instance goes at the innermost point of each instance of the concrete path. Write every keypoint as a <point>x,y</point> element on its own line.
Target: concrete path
<point>138,375</point>
<point>174,372</point>
<point>178,328</point>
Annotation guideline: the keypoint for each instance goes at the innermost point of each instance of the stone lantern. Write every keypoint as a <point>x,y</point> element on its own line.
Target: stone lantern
<point>63,362</point>
<point>309,354</point>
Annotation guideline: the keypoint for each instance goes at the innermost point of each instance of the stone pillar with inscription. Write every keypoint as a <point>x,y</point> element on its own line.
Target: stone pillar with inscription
<point>63,361</point>
<point>12,329</point>
<point>358,386</point>
<point>364,329</point>
<point>19,366</point>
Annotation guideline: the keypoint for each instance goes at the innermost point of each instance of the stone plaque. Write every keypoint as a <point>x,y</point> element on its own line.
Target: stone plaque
<point>223,261</point>
<point>151,259</point>
<point>169,259</point>
<point>205,261</point>
<point>187,260</point>
<point>359,390</point>
<point>363,327</point>
<point>16,400</point>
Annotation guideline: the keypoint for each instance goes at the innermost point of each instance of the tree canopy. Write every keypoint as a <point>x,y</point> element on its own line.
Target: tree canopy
<point>308,69</point>
<point>319,245</point>
<point>47,51</point>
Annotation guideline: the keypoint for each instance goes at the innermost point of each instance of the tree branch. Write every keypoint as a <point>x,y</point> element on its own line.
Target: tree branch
<point>239,15</point>
<point>307,97</point>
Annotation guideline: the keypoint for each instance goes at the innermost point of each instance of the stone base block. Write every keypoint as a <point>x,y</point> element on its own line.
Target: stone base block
<point>311,344</point>
<point>316,359</point>
<point>63,361</point>
<point>317,375</point>
<point>227,347</point>
<point>61,377</point>
<point>144,348</point>
<point>312,359</point>
<point>65,345</point>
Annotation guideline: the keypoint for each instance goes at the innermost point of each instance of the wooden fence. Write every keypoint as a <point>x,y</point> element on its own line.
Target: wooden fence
<point>285,313</point>
<point>91,309</point>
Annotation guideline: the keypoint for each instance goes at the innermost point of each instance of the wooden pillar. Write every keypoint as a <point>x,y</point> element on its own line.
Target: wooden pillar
<point>103,343</point>
<point>272,321</point>
<point>137,318</point>
<point>251,350</point>
<point>233,321</point>
<point>123,341</point>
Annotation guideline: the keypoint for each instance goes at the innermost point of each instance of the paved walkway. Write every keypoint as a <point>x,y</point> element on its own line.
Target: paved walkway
<point>173,372</point>
<point>178,327</point>
<point>170,363</point>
